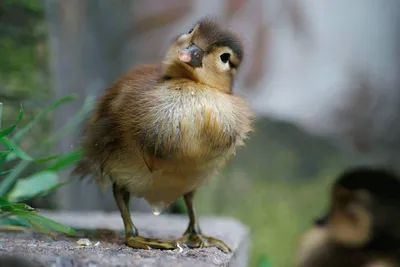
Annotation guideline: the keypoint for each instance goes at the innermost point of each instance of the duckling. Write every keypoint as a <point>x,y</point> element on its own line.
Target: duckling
<point>361,228</point>
<point>161,131</point>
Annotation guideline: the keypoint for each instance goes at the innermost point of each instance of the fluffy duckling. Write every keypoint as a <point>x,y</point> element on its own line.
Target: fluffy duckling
<point>361,228</point>
<point>161,131</point>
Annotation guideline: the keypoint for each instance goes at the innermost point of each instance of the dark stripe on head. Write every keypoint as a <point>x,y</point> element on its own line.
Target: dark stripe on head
<point>214,35</point>
<point>379,182</point>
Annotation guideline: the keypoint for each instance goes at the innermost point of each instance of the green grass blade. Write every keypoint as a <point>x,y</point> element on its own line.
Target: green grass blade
<point>13,221</point>
<point>11,156</point>
<point>47,191</point>
<point>18,135</point>
<point>11,206</point>
<point>3,155</point>
<point>10,179</point>
<point>4,172</point>
<point>47,159</point>
<point>11,145</point>
<point>1,113</point>
<point>28,187</point>
<point>4,201</point>
<point>73,122</point>
<point>39,227</point>
<point>10,129</point>
<point>43,222</point>
<point>65,160</point>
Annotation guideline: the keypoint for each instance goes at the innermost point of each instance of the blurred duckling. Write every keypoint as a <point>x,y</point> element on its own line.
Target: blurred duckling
<point>161,131</point>
<point>361,228</point>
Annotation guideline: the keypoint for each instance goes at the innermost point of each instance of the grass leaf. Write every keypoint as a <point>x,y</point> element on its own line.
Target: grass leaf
<point>1,113</point>
<point>38,184</point>
<point>18,135</point>
<point>46,159</point>
<point>10,179</point>
<point>4,202</point>
<point>41,222</point>
<point>4,172</point>
<point>11,206</point>
<point>13,221</point>
<point>10,129</point>
<point>72,122</point>
<point>3,155</point>
<point>33,185</point>
<point>48,190</point>
<point>11,145</point>
<point>65,160</point>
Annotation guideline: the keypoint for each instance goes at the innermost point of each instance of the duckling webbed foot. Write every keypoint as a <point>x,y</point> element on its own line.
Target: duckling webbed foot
<point>201,241</point>
<point>140,242</point>
<point>193,238</point>
<point>132,237</point>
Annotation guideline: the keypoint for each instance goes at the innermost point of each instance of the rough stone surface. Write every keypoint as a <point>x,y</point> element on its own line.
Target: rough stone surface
<point>107,248</point>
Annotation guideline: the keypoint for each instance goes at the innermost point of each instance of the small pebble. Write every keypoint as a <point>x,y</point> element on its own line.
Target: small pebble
<point>84,242</point>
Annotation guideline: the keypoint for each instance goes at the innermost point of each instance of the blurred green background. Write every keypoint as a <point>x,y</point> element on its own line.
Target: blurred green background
<point>275,185</point>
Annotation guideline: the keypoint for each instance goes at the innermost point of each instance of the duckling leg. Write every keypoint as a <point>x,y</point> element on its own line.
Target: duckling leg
<point>132,237</point>
<point>193,237</point>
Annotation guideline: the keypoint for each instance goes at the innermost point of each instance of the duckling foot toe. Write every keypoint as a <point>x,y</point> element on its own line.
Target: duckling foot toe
<point>202,241</point>
<point>148,243</point>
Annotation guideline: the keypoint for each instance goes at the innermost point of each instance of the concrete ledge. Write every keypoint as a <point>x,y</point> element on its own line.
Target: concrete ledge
<point>107,248</point>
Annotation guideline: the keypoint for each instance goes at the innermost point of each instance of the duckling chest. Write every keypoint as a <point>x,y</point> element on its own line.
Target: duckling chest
<point>197,123</point>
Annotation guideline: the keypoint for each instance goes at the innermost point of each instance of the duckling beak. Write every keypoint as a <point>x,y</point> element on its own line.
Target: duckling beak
<point>184,55</point>
<point>193,55</point>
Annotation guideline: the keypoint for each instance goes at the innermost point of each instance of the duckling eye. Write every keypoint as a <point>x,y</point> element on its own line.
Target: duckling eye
<point>225,57</point>
<point>191,30</point>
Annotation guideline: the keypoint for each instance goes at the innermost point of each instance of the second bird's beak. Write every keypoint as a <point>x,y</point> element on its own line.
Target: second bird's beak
<point>193,55</point>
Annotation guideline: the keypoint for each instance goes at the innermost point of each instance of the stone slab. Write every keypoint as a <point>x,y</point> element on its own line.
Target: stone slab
<point>107,248</point>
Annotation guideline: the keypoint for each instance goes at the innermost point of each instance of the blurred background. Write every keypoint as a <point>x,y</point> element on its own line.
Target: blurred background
<point>322,75</point>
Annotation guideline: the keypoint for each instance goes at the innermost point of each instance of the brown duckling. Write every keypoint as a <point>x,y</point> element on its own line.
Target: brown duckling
<point>161,131</point>
<point>361,228</point>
